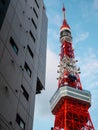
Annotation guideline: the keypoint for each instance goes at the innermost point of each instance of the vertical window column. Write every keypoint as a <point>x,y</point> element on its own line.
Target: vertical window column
<point>28,70</point>
<point>14,46</point>
<point>3,9</point>
<point>35,12</point>
<point>24,92</point>
<point>30,51</point>
<point>34,24</point>
<point>20,121</point>
<point>32,36</point>
<point>37,3</point>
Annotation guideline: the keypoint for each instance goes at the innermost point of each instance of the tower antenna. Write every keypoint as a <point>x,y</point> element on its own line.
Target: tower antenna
<point>63,9</point>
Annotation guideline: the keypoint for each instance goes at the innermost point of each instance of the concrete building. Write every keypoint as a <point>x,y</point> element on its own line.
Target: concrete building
<point>23,37</point>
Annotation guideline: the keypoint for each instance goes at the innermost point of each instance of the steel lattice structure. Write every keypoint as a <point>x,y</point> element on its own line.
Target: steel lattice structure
<point>70,103</point>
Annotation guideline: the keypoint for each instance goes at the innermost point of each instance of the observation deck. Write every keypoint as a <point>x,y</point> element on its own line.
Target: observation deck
<point>70,93</point>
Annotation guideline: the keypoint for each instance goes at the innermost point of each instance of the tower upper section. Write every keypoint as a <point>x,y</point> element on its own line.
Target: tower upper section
<point>68,72</point>
<point>65,33</point>
<point>64,25</point>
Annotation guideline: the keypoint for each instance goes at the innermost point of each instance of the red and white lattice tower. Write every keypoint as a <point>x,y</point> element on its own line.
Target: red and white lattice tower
<point>70,103</point>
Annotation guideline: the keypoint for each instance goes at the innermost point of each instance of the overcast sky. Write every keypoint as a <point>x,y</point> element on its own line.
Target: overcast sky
<point>82,17</point>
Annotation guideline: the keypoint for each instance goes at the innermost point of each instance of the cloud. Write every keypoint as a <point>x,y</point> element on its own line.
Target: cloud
<point>89,78</point>
<point>95,4</point>
<point>89,64</point>
<point>81,37</point>
<point>57,20</point>
<point>53,34</point>
<point>90,67</point>
<point>42,107</point>
<point>53,40</point>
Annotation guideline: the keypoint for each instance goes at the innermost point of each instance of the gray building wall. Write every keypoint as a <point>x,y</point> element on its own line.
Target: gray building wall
<point>23,38</point>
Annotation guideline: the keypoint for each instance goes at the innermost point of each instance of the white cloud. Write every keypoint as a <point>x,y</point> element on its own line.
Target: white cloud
<point>42,107</point>
<point>81,37</point>
<point>53,34</point>
<point>57,20</point>
<point>90,67</point>
<point>96,4</point>
<point>89,78</point>
<point>89,64</point>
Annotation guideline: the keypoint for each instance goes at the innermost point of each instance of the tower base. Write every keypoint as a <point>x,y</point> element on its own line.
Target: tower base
<point>73,115</point>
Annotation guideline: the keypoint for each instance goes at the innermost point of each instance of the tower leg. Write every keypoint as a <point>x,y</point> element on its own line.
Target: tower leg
<point>73,115</point>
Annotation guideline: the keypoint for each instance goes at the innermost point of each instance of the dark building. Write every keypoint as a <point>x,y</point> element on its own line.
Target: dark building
<point>23,38</point>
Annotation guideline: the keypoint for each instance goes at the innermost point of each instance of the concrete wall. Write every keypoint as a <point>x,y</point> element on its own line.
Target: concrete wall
<point>16,25</point>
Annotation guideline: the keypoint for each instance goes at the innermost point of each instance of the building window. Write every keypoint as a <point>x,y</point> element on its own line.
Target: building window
<point>0,126</point>
<point>43,7</point>
<point>27,69</point>
<point>32,36</point>
<point>24,92</point>
<point>14,46</point>
<point>30,52</point>
<point>3,2</point>
<point>26,1</point>
<point>20,121</point>
<point>39,86</point>
<point>3,9</point>
<point>34,23</point>
<point>35,12</point>
<point>36,3</point>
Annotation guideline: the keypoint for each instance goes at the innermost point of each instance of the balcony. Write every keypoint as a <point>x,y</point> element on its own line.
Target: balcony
<point>69,92</point>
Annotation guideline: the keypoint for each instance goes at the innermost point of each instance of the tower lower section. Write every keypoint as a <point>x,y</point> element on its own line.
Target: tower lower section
<point>73,115</point>
<point>70,107</point>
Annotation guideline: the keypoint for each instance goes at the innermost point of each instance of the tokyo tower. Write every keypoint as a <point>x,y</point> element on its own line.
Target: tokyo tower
<point>70,103</point>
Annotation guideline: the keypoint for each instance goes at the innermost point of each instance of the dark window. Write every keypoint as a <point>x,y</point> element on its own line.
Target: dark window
<point>3,2</point>
<point>43,7</point>
<point>20,121</point>
<point>31,53</point>
<point>35,12</point>
<point>39,86</point>
<point>36,3</point>
<point>14,46</point>
<point>3,9</point>
<point>24,92</point>
<point>27,69</point>
<point>26,1</point>
<point>34,23</point>
<point>0,127</point>
<point>31,34</point>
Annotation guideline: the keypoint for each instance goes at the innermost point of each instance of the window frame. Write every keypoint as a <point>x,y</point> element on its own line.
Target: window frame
<point>20,121</point>
<point>4,4</point>
<point>13,45</point>
<point>32,36</point>
<point>25,93</point>
<point>37,3</point>
<point>28,70</point>
<point>30,51</point>
<point>35,12</point>
<point>32,20</point>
